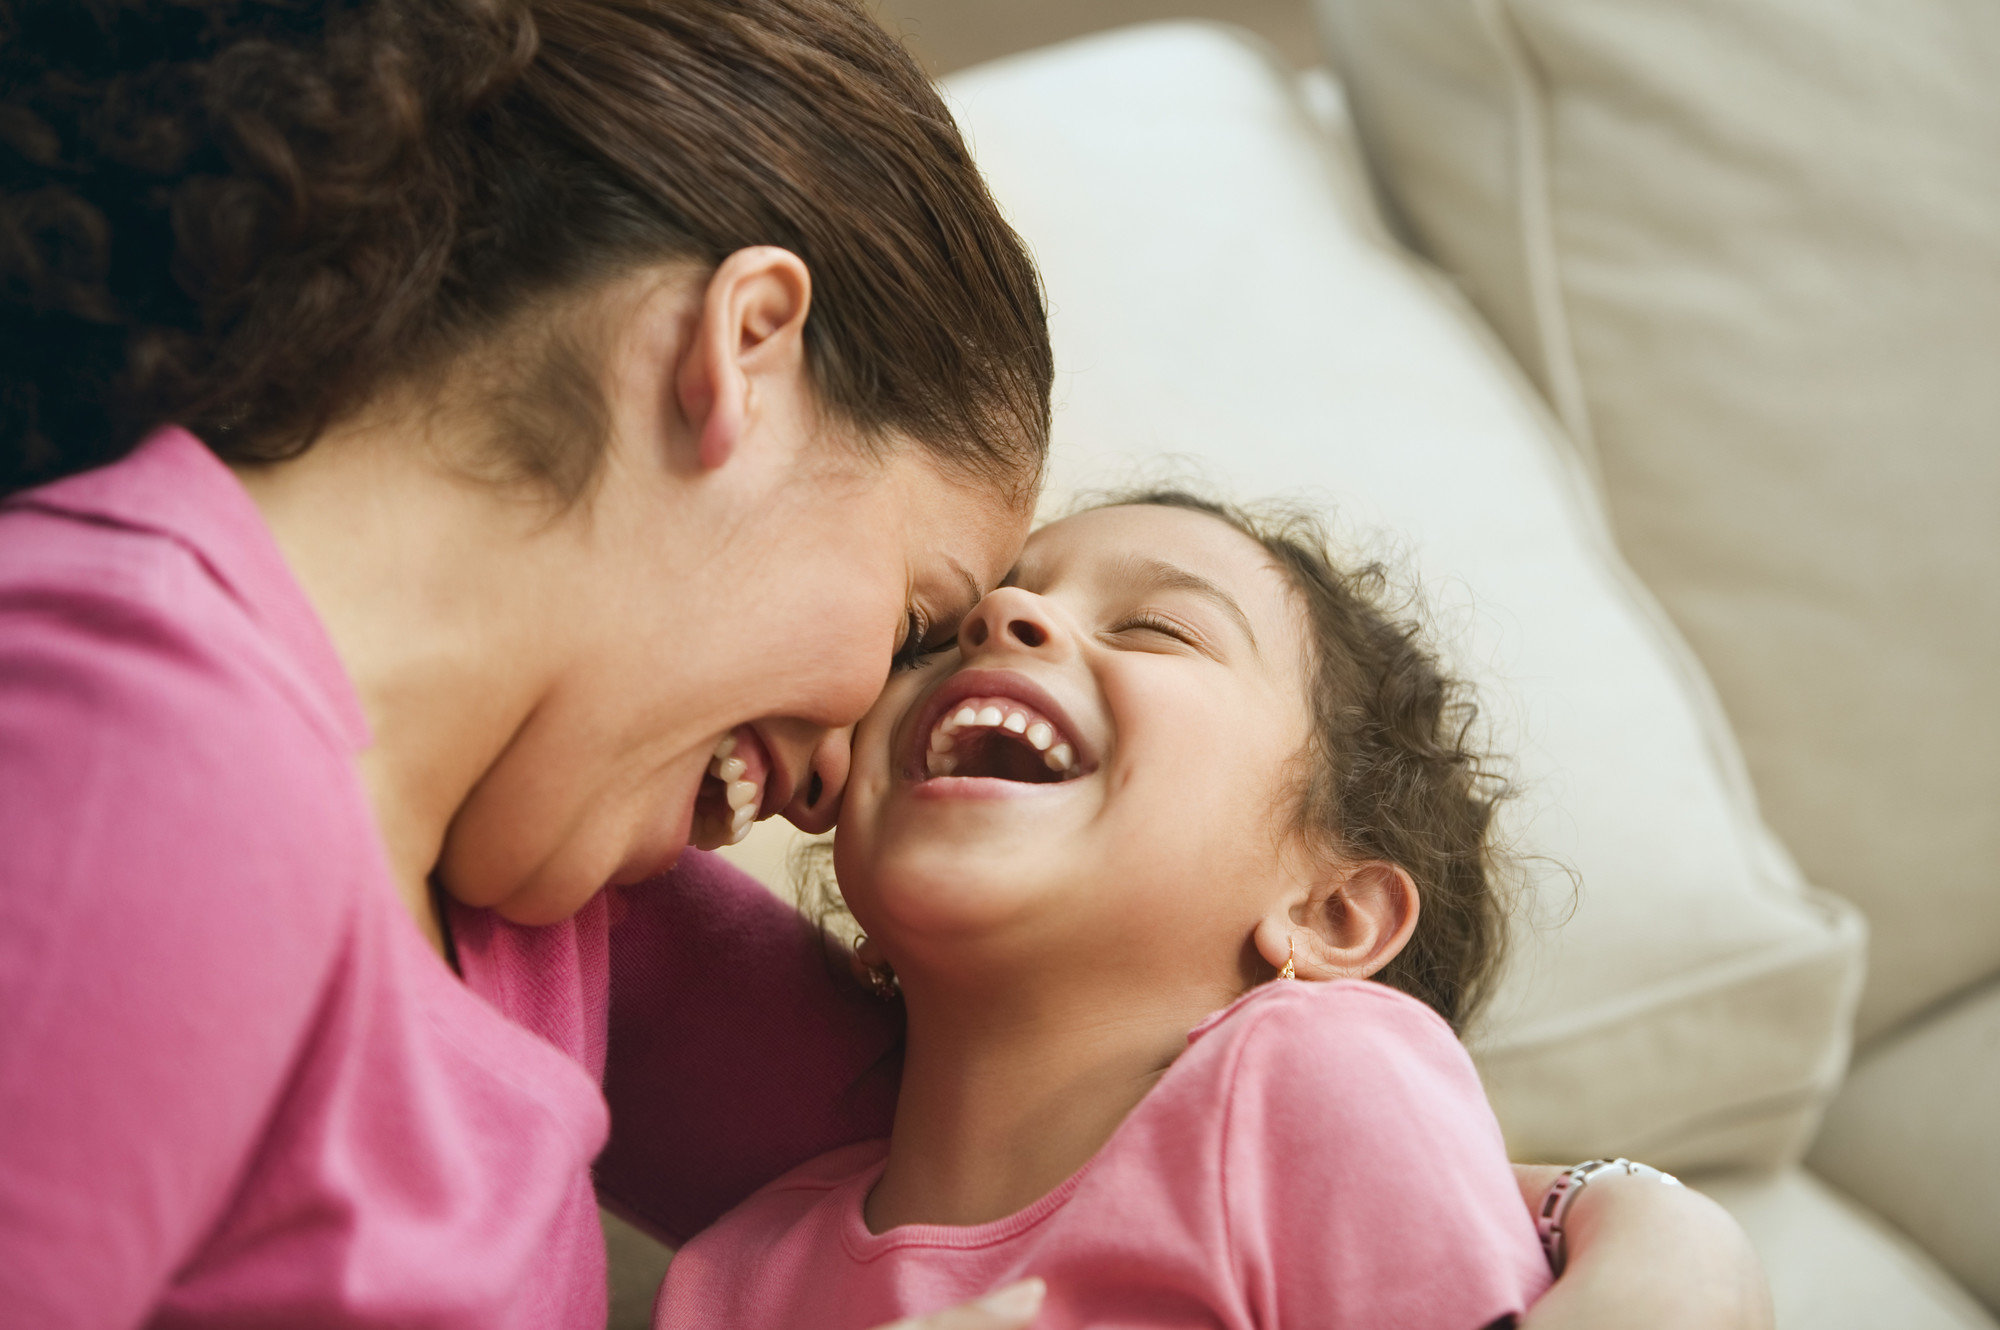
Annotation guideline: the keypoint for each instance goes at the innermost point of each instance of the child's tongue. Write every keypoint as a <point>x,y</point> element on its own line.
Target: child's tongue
<point>732,791</point>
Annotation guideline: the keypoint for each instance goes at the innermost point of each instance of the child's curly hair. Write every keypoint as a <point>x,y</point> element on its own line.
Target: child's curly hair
<point>1393,769</point>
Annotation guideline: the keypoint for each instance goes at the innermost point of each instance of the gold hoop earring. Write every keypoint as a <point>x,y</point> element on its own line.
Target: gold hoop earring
<point>882,981</point>
<point>1288,972</point>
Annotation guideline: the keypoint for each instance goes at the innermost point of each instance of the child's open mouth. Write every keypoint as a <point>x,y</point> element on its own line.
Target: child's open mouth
<point>989,725</point>
<point>1002,739</point>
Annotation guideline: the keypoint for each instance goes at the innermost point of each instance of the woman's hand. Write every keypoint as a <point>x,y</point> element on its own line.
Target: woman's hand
<point>1009,1308</point>
<point>1643,1256</point>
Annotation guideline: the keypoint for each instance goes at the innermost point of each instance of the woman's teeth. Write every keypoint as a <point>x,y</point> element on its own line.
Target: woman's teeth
<point>742,795</point>
<point>1040,734</point>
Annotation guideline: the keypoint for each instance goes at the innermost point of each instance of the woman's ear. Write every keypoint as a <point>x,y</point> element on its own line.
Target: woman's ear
<point>1350,923</point>
<point>748,337</point>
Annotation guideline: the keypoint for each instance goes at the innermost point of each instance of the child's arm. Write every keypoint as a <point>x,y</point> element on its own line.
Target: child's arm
<point>1650,1258</point>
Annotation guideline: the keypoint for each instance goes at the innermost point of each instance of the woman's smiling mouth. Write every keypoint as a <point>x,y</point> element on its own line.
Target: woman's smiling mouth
<point>735,790</point>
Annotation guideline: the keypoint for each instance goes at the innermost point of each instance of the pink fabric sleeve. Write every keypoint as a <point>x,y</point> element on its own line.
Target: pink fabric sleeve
<point>152,1005</point>
<point>736,1052</point>
<point>1365,1181</point>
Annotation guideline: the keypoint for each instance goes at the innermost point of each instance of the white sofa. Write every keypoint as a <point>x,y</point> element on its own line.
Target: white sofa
<point>1750,252</point>
<point>1228,301</point>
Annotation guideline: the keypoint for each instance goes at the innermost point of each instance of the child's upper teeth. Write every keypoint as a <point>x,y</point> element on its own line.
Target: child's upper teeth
<point>729,768</point>
<point>941,758</point>
<point>742,794</point>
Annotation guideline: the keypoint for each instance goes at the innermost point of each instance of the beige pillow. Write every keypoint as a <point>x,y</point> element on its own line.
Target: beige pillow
<point>1834,1266</point>
<point>1935,1174</point>
<point>1750,250</point>
<point>1222,295</point>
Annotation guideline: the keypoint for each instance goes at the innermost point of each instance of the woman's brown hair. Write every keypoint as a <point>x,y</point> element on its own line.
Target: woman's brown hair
<point>247,216</point>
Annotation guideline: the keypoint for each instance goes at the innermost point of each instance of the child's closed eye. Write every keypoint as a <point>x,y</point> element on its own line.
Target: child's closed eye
<point>1153,622</point>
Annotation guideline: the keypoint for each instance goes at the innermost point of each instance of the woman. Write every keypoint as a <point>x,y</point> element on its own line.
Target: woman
<point>571,390</point>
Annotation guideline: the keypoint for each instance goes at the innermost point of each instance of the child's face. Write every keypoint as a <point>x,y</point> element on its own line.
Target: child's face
<point>1128,796</point>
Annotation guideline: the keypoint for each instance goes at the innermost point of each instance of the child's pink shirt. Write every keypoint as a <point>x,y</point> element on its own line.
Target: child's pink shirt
<point>1321,1155</point>
<point>236,1085</point>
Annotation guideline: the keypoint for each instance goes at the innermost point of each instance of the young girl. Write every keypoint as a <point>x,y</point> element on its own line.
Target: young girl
<point>1179,859</point>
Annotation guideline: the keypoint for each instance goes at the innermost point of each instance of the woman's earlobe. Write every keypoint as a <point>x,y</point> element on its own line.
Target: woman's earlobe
<point>710,388</point>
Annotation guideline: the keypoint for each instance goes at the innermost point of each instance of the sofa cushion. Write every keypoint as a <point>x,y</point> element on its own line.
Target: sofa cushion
<point>1936,1173</point>
<point>1222,295</point>
<point>1833,1265</point>
<point>1750,250</point>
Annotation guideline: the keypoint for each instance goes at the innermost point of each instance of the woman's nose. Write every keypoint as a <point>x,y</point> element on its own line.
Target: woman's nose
<point>815,804</point>
<point>1008,617</point>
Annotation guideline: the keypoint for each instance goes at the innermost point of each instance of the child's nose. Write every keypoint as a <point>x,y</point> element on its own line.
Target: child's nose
<point>1011,615</point>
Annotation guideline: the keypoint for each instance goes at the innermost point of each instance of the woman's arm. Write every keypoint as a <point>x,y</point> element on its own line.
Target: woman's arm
<point>1648,1257</point>
<point>736,1052</point>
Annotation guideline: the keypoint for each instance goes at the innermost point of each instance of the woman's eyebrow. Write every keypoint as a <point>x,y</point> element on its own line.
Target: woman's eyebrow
<point>1151,574</point>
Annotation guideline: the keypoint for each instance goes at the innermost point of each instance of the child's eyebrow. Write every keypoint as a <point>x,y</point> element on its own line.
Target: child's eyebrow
<point>1151,574</point>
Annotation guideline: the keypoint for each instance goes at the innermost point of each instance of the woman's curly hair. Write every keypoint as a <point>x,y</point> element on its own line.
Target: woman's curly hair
<point>246,216</point>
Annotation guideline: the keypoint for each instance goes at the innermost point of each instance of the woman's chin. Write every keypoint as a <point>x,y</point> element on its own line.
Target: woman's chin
<point>651,855</point>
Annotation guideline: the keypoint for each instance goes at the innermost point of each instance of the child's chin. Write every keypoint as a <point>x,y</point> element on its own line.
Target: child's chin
<point>938,886</point>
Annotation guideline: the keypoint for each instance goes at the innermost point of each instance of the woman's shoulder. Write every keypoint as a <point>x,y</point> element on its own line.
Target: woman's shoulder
<point>167,761</point>
<point>155,648</point>
<point>133,691</point>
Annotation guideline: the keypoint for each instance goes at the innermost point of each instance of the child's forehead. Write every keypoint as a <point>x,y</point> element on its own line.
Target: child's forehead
<point>1115,535</point>
<point>1130,543</point>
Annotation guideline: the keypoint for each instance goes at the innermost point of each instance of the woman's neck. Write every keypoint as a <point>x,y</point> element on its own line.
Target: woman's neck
<point>1004,1096</point>
<point>426,583</point>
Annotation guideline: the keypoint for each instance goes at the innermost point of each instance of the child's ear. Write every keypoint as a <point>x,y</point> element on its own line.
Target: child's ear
<point>1350,924</point>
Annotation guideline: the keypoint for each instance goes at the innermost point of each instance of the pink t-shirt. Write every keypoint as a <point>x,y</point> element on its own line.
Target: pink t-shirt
<point>1321,1155</point>
<point>236,1085</point>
